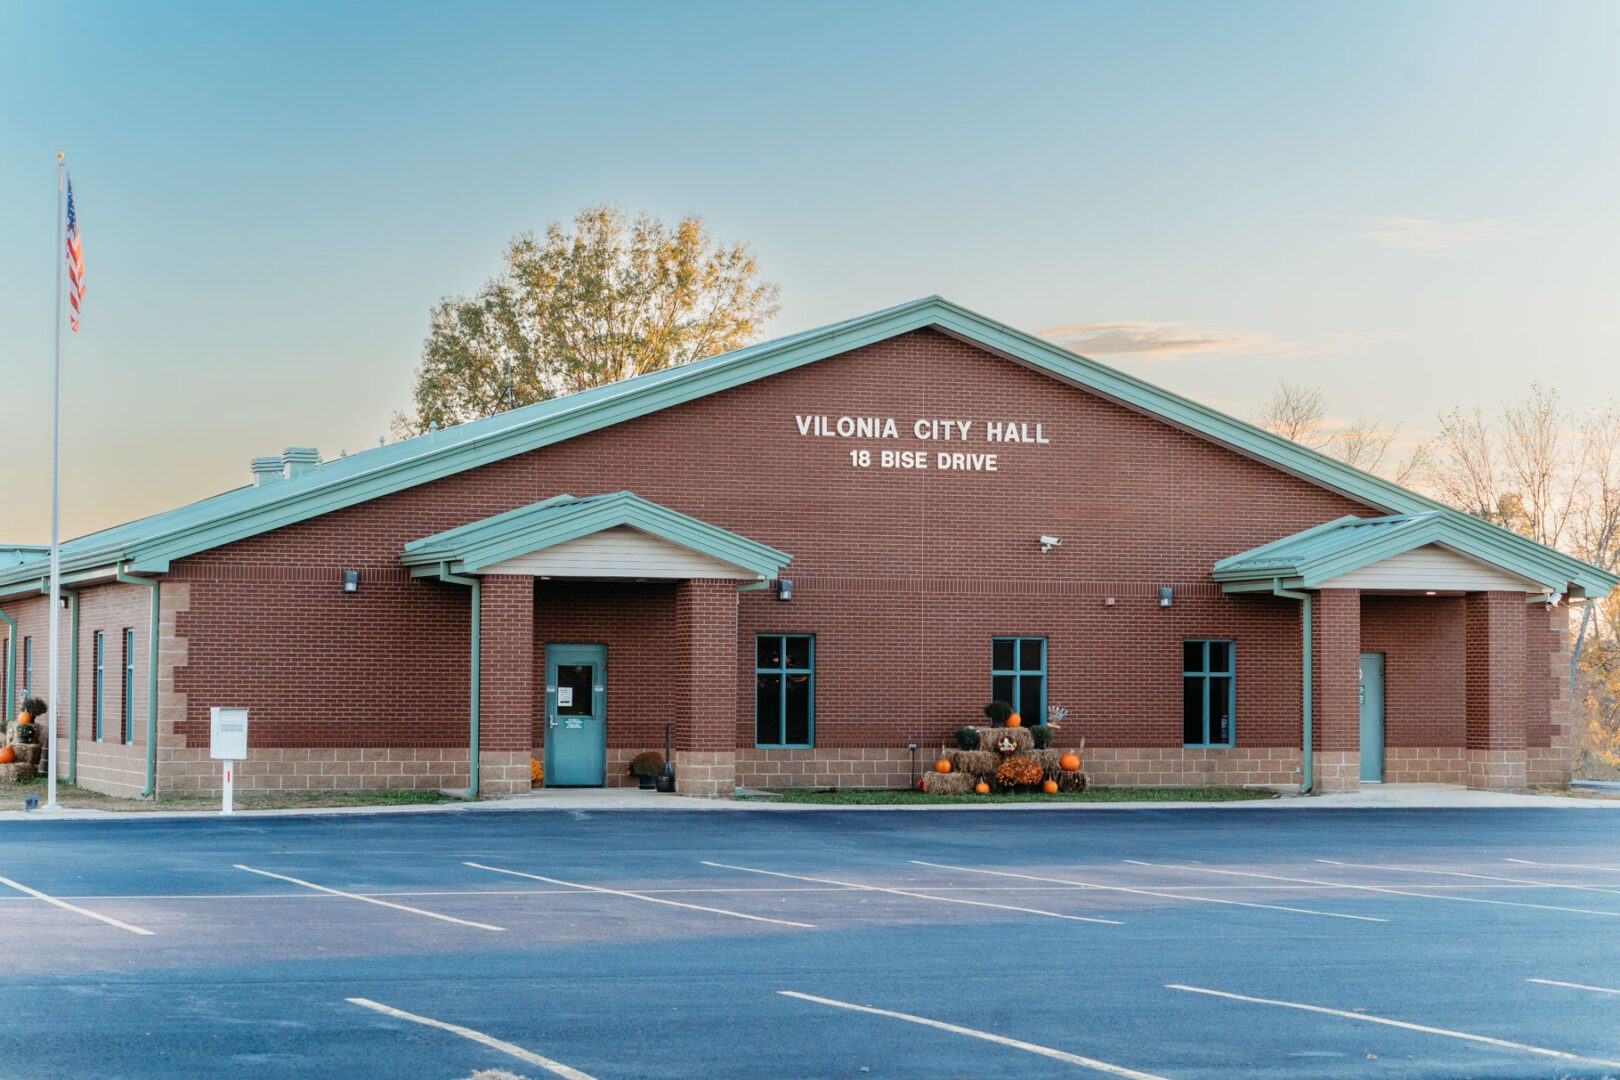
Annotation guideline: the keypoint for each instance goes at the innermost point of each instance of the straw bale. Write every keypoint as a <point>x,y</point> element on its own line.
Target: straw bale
<point>16,772</point>
<point>1072,781</point>
<point>951,783</point>
<point>979,763</point>
<point>990,738</point>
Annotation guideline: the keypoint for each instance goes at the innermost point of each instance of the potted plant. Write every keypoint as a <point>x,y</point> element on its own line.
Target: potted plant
<point>967,738</point>
<point>997,712</point>
<point>645,767</point>
<point>27,732</point>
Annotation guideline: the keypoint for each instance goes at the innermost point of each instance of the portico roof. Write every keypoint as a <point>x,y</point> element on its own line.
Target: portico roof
<point>480,545</point>
<point>1335,549</point>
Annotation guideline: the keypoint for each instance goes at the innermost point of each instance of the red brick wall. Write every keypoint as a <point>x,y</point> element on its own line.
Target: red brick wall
<point>1421,638</point>
<point>1336,670</point>
<point>506,664</point>
<point>1494,658</point>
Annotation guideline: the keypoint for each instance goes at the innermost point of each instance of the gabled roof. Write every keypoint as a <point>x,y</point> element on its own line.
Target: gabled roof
<point>469,549</point>
<point>1308,559</point>
<point>151,544</point>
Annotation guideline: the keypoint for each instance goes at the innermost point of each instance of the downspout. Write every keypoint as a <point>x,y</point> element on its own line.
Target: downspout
<point>1305,778</point>
<point>73,684</point>
<point>151,678</point>
<point>11,662</point>
<point>477,612</point>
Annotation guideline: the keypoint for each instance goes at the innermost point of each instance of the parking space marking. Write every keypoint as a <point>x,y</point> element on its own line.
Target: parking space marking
<point>1150,892</point>
<point>643,896</point>
<point>1033,1048</point>
<point>371,899</point>
<point>916,895</point>
<point>1566,865</point>
<point>1381,889</point>
<point>65,906</point>
<point>1575,986</point>
<point>556,1067</point>
<point>1477,877</point>
<point>1387,1022</point>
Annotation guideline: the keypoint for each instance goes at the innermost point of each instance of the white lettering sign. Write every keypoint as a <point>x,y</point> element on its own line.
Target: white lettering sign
<point>933,430</point>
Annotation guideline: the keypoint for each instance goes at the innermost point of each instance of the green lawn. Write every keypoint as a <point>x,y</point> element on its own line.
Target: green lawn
<point>73,797</point>
<point>867,797</point>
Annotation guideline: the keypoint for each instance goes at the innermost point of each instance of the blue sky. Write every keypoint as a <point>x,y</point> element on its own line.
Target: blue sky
<point>1413,206</point>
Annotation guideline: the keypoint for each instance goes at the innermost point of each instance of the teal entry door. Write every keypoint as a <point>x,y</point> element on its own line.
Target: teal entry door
<point>576,715</point>
<point>1372,717</point>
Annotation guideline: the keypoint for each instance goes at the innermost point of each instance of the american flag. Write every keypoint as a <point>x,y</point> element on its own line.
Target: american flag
<point>75,260</point>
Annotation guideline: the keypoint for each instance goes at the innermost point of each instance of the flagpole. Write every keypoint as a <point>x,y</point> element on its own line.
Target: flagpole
<point>56,499</point>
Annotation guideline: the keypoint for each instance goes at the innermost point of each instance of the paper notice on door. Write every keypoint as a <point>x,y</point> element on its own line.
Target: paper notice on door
<point>565,696</point>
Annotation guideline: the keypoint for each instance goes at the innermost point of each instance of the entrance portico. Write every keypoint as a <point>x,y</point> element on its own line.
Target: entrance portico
<point>662,584</point>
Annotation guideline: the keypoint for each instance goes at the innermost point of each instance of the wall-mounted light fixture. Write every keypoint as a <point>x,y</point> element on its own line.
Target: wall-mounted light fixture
<point>784,588</point>
<point>351,581</point>
<point>1166,594</point>
<point>1050,542</point>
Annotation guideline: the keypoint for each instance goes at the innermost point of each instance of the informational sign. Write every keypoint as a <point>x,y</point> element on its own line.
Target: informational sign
<point>227,734</point>
<point>925,444</point>
<point>565,696</point>
<point>574,723</point>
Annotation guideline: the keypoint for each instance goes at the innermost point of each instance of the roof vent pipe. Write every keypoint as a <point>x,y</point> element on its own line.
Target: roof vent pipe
<point>300,460</point>
<point>266,470</point>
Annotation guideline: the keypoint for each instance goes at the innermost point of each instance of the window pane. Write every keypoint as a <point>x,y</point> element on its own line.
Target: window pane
<point>1001,654</point>
<point>1029,654</point>
<point>574,689</point>
<point>1029,698</point>
<point>1192,656</point>
<point>797,721</point>
<point>1192,710</point>
<point>798,652</point>
<point>1220,711</point>
<point>770,652</point>
<point>1220,656</point>
<point>768,709</point>
<point>1001,689</point>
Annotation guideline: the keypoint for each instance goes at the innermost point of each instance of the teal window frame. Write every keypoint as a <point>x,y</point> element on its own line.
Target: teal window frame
<point>1018,672</point>
<point>28,666</point>
<point>1207,677</point>
<point>129,685</point>
<point>783,669</point>
<point>96,672</point>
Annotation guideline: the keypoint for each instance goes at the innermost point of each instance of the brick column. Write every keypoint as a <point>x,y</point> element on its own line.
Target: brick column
<point>705,702</point>
<point>1548,639</point>
<point>1494,689</point>
<point>506,684</point>
<point>1336,689</point>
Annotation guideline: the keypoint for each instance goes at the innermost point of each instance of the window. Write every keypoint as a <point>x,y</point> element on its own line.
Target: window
<point>1206,693</point>
<point>96,673</point>
<point>784,690</point>
<point>129,685</point>
<point>1018,675</point>
<point>28,667</point>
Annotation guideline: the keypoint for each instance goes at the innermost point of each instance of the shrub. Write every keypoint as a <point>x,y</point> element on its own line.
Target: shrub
<point>997,712</point>
<point>34,707</point>
<point>647,763</point>
<point>1042,736</point>
<point>537,772</point>
<point>967,738</point>
<point>1018,772</point>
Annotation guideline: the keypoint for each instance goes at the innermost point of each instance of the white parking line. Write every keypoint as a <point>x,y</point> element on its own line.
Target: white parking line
<point>371,899</point>
<point>1566,865</point>
<point>1150,892</point>
<point>65,906</point>
<point>1575,986</point>
<point>1380,889</point>
<point>642,896</point>
<point>1477,877</point>
<point>1387,1022</point>
<point>1033,1048</point>
<point>915,895</point>
<point>490,1041</point>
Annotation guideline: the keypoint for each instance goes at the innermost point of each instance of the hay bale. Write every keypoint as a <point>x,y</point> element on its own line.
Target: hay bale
<point>977,763</point>
<point>29,755</point>
<point>1049,762</point>
<point>17,772</point>
<point>990,738</point>
<point>948,783</point>
<point>1072,781</point>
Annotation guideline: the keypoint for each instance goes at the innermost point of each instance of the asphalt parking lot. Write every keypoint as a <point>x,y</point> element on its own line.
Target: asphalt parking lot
<point>604,944</point>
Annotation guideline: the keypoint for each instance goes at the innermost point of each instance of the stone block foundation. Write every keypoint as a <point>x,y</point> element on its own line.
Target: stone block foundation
<point>1337,770</point>
<point>1497,770</point>
<point>706,774</point>
<point>1425,765</point>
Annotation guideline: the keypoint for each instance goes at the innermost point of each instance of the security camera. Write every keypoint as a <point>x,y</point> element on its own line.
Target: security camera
<point>1050,542</point>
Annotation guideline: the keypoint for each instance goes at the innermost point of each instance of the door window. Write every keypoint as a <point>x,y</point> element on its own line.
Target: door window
<point>574,689</point>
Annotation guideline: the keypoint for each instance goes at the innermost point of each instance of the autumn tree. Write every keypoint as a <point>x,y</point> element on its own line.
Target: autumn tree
<point>608,299</point>
<point>1299,413</point>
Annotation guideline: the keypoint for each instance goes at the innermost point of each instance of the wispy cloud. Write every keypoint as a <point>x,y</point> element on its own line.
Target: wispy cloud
<point>1154,339</point>
<point>1430,235</point>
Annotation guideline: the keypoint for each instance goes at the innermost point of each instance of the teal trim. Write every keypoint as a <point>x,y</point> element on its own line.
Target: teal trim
<point>128,705</point>
<point>28,665</point>
<point>98,669</point>
<point>1308,737</point>
<point>479,545</point>
<point>73,685</point>
<point>11,662</point>
<point>1206,673</point>
<point>122,574</point>
<point>576,740</point>
<point>151,544</point>
<point>1017,671</point>
<point>474,681</point>
<point>782,669</point>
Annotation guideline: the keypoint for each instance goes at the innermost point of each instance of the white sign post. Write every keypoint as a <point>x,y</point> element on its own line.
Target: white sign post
<point>227,742</point>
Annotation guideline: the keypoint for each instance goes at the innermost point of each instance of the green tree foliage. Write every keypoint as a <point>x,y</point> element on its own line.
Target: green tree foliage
<point>612,298</point>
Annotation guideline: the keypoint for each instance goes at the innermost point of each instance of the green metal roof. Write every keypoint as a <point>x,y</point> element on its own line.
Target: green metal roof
<point>1308,559</point>
<point>470,549</point>
<point>151,544</point>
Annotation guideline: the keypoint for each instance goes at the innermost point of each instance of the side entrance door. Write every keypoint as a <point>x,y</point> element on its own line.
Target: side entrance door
<point>1372,717</point>
<point>576,715</point>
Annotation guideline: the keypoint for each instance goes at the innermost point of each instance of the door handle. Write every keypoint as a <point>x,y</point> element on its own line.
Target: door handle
<point>551,720</point>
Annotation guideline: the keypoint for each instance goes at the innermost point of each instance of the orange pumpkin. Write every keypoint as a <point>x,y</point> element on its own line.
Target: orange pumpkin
<point>1050,787</point>
<point>982,788</point>
<point>24,718</point>
<point>1015,720</point>
<point>1069,762</point>
<point>942,765</point>
<point>7,755</point>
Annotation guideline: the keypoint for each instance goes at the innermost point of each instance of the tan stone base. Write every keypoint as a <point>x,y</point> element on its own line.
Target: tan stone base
<point>1336,770</point>
<point>846,767</point>
<point>1176,766</point>
<point>1425,765</point>
<point>110,768</point>
<point>503,773</point>
<point>1548,765</point>
<point>189,771</point>
<point>1496,770</point>
<point>706,775</point>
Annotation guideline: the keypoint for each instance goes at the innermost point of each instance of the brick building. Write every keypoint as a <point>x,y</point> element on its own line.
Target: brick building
<point>801,558</point>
